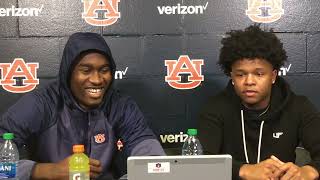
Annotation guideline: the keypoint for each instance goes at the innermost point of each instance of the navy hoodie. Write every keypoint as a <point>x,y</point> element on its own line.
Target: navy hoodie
<point>48,122</point>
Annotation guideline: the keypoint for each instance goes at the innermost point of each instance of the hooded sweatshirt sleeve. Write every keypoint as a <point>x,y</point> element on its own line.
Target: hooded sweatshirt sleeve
<point>210,127</point>
<point>137,136</point>
<point>23,119</point>
<point>309,128</point>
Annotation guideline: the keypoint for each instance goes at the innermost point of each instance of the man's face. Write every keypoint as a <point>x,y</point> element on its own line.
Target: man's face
<point>253,79</point>
<point>90,80</point>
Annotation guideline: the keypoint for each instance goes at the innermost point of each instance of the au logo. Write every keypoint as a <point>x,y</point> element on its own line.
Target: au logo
<point>99,138</point>
<point>19,69</point>
<point>264,11</point>
<point>107,8</point>
<point>183,66</point>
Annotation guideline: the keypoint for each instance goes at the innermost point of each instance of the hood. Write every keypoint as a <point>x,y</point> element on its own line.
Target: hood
<point>78,43</point>
<point>280,95</point>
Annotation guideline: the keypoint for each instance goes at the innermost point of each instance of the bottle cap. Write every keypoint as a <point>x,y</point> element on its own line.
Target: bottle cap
<point>192,132</point>
<point>79,148</point>
<point>8,136</point>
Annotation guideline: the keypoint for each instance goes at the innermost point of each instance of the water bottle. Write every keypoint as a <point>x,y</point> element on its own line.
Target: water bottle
<point>9,156</point>
<point>79,164</point>
<point>192,145</point>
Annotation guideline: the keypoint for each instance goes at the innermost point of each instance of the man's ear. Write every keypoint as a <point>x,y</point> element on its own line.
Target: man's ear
<point>231,78</point>
<point>274,76</point>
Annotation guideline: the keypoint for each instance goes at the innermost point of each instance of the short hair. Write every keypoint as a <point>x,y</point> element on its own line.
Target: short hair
<point>251,43</point>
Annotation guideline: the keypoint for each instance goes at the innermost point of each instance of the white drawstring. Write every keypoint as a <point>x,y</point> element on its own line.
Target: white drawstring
<point>260,137</point>
<point>244,139</point>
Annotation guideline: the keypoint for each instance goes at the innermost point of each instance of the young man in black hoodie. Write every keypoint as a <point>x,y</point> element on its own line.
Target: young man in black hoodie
<point>257,118</point>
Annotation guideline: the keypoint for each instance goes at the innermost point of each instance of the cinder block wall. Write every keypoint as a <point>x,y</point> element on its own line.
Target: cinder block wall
<point>143,38</point>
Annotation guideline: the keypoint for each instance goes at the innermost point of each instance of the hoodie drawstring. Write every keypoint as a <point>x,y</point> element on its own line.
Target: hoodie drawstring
<point>260,137</point>
<point>244,139</point>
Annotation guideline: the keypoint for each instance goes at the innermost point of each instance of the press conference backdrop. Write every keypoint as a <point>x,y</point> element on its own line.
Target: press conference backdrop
<point>166,50</point>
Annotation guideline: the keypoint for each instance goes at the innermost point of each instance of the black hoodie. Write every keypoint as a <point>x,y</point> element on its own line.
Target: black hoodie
<point>289,120</point>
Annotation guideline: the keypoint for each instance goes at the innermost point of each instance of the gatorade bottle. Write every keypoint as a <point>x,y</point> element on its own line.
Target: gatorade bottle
<point>79,164</point>
<point>9,156</point>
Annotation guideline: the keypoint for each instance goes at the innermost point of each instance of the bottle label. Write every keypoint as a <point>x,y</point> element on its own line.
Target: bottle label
<point>79,176</point>
<point>8,169</point>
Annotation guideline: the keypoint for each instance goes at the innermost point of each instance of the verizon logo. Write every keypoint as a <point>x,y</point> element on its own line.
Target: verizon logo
<point>179,9</point>
<point>120,74</point>
<point>13,11</point>
<point>284,70</point>
<point>173,138</point>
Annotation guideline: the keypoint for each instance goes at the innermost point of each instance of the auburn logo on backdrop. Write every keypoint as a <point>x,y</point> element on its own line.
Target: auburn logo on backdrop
<point>107,8</point>
<point>264,11</point>
<point>19,69</point>
<point>184,66</point>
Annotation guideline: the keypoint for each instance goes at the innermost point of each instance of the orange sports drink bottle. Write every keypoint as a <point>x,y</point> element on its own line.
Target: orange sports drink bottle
<point>79,164</point>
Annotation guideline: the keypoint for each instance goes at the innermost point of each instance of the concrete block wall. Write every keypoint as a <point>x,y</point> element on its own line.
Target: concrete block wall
<point>144,36</point>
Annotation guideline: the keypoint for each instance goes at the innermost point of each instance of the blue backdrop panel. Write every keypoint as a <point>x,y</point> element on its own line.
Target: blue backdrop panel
<point>57,18</point>
<point>313,58</point>
<point>295,46</point>
<point>157,49</point>
<point>43,50</point>
<point>298,16</point>
<point>306,84</point>
<point>142,17</point>
<point>162,105</point>
<point>8,25</point>
<point>206,47</point>
<point>127,53</point>
<point>220,16</point>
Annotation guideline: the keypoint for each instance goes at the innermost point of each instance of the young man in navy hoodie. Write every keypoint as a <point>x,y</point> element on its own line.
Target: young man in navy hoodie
<point>257,118</point>
<point>80,107</point>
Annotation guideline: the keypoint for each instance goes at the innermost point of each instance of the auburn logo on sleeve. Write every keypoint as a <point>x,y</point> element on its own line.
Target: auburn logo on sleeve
<point>100,138</point>
<point>19,69</point>
<point>264,11</point>
<point>108,9</point>
<point>184,66</point>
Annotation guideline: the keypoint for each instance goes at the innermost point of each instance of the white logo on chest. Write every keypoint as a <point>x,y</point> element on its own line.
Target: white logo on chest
<point>277,135</point>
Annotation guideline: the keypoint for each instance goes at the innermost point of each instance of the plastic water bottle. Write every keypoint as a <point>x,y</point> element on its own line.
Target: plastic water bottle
<point>192,145</point>
<point>79,164</point>
<point>9,156</point>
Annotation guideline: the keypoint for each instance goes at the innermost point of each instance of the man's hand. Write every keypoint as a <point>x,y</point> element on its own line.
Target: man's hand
<point>60,170</point>
<point>95,168</point>
<point>263,170</point>
<point>291,171</point>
